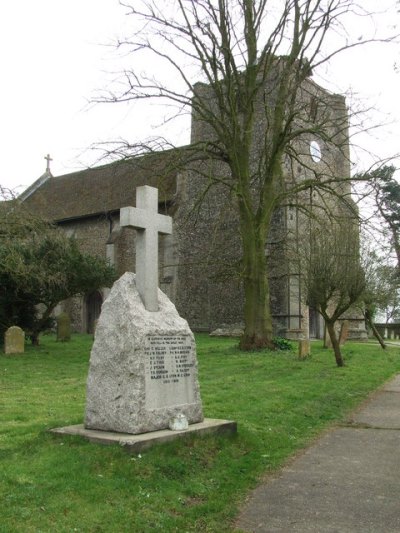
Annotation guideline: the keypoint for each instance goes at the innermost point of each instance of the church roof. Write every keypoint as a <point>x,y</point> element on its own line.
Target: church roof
<point>105,188</point>
<point>35,185</point>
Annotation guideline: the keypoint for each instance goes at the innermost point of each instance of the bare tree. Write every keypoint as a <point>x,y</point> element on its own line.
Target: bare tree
<point>333,277</point>
<point>381,292</point>
<point>257,105</point>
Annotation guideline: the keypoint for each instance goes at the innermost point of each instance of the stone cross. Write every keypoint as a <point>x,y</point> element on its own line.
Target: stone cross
<point>148,223</point>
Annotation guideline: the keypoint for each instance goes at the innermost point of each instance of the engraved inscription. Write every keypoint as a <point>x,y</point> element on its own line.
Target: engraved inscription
<point>169,370</point>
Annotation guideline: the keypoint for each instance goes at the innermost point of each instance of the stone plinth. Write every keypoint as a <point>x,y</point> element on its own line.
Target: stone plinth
<point>137,443</point>
<point>143,365</point>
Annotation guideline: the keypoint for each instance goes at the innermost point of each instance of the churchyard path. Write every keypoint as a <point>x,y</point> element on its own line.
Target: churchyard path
<point>348,481</point>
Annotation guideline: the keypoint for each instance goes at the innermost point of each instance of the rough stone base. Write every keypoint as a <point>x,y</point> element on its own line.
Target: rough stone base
<point>137,443</point>
<point>143,365</point>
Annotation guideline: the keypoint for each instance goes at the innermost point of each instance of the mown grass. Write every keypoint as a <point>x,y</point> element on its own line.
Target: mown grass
<point>50,483</point>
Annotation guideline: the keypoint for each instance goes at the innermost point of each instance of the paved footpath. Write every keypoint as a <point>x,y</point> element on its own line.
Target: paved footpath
<point>347,482</point>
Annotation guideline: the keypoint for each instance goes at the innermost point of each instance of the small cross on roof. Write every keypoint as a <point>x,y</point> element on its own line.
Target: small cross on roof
<point>48,159</point>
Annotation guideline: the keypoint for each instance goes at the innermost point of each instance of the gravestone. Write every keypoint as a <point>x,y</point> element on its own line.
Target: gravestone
<point>304,349</point>
<point>14,340</point>
<point>143,367</point>
<point>344,332</point>
<point>63,327</point>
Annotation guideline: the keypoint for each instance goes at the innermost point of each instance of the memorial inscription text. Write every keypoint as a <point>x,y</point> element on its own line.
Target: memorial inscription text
<point>169,364</point>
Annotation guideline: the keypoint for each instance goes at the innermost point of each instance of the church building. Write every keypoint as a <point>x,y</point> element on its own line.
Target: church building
<point>200,261</point>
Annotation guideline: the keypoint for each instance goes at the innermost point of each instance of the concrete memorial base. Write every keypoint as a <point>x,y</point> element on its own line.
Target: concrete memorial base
<point>137,443</point>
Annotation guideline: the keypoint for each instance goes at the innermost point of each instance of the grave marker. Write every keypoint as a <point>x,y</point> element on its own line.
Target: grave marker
<point>14,340</point>
<point>304,348</point>
<point>63,327</point>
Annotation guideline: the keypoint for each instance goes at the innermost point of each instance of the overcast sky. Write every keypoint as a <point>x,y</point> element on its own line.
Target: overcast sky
<point>53,58</point>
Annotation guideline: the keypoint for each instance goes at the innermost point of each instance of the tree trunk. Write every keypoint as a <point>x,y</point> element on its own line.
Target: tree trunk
<point>335,342</point>
<point>254,228</point>
<point>376,333</point>
<point>35,338</point>
<point>257,315</point>
<point>39,326</point>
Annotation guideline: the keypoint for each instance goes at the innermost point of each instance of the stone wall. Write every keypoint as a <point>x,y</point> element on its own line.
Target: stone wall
<point>208,291</point>
<point>91,233</point>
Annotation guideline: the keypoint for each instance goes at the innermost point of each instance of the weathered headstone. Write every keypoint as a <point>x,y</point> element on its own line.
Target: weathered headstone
<point>14,340</point>
<point>344,332</point>
<point>63,327</point>
<point>143,367</point>
<point>304,349</point>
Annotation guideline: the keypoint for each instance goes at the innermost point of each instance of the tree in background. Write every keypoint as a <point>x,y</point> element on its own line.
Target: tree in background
<point>333,277</point>
<point>385,191</point>
<point>250,56</point>
<point>381,293</point>
<point>381,260</point>
<point>39,267</point>
<point>387,198</point>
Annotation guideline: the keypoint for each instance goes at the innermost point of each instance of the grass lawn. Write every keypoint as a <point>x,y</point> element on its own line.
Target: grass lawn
<point>50,483</point>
